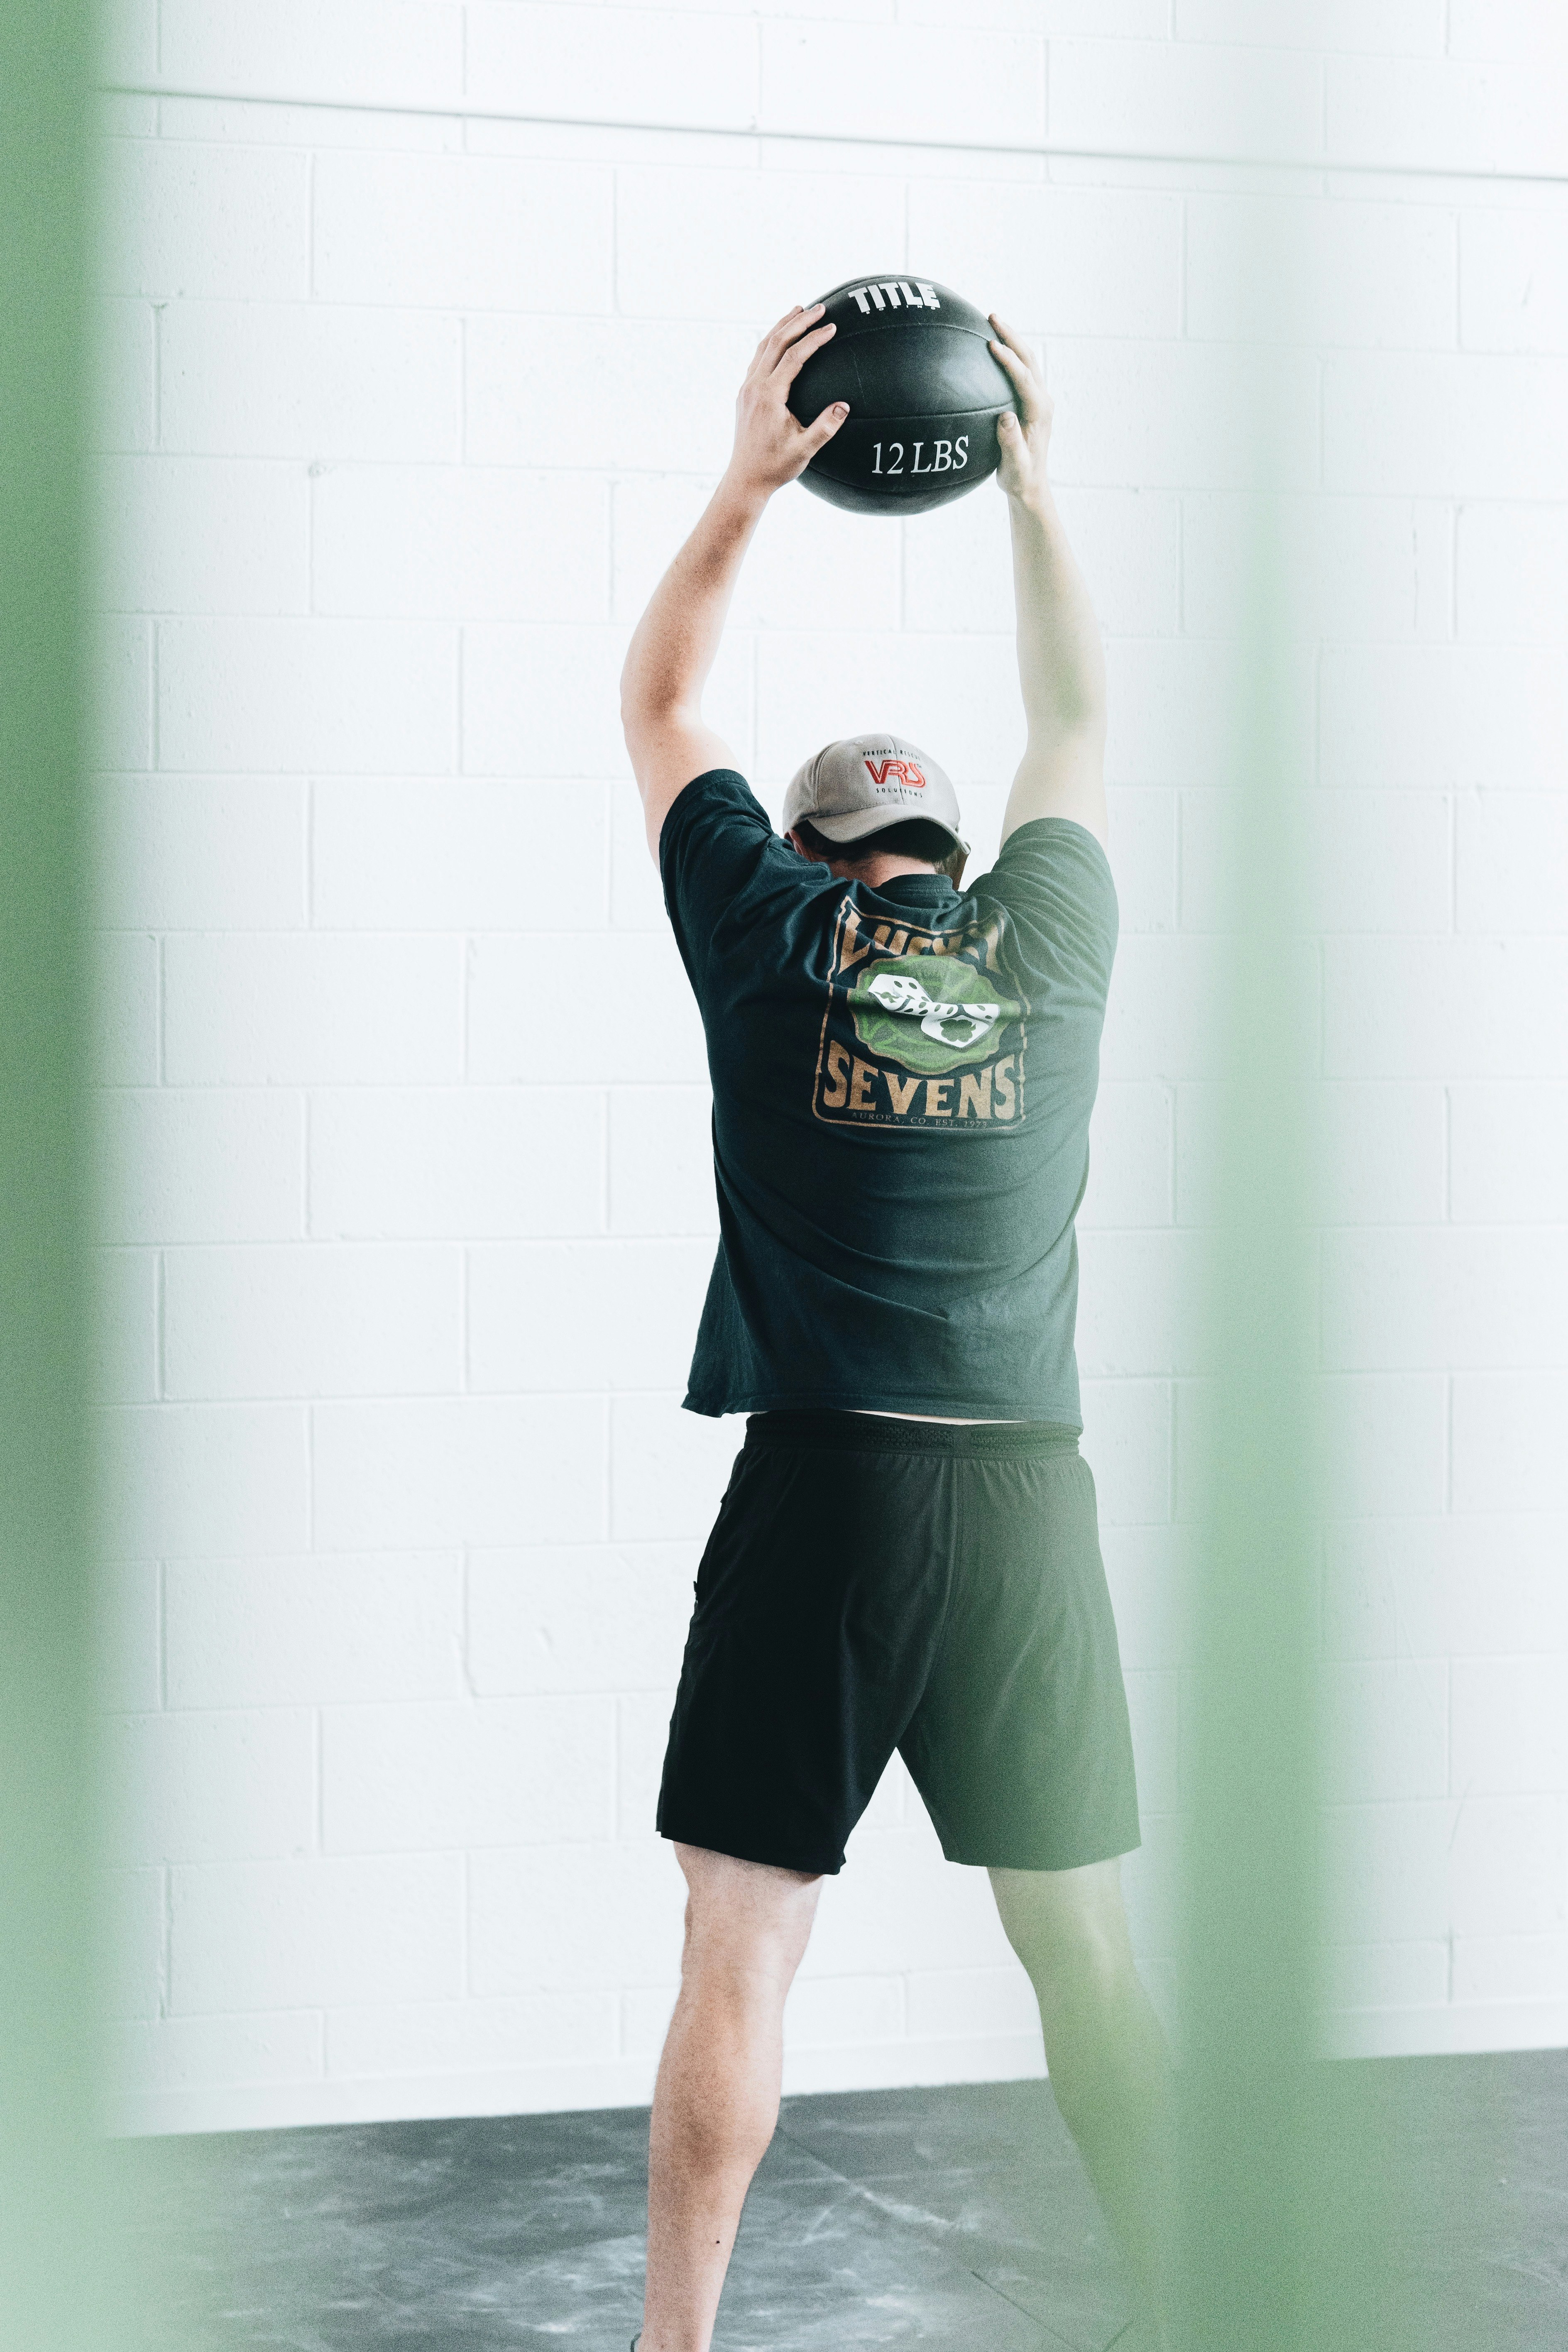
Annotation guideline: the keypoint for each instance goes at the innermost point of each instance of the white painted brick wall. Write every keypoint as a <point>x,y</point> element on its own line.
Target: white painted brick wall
<point>312,1320</point>
<point>363,48</point>
<point>1463,111</point>
<point>307,381</point>
<point>1398,27</point>
<point>405,1190</point>
<point>902,81</point>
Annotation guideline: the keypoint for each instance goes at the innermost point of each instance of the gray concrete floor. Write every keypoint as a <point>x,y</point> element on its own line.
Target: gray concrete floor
<point>957,2219</point>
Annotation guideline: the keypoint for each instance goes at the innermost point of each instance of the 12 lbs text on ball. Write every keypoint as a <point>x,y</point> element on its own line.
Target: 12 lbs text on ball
<point>945,462</point>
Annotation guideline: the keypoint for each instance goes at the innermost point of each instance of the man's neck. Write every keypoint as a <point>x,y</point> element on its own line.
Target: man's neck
<point>882,866</point>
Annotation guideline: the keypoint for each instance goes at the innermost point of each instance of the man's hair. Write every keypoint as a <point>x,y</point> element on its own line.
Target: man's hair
<point>915,838</point>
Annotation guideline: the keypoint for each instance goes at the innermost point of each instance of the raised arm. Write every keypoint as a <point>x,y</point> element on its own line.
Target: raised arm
<point>1061,667</point>
<point>674,645</point>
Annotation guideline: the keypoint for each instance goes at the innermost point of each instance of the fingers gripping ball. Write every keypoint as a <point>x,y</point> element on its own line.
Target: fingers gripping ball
<point>912,360</point>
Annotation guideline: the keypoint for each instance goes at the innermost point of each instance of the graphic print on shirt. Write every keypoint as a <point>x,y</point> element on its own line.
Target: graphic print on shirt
<point>922,1028</point>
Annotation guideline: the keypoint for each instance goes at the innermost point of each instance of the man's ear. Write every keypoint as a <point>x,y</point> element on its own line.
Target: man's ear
<point>795,843</point>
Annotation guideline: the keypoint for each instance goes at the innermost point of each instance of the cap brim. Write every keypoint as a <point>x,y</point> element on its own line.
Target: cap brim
<point>861,822</point>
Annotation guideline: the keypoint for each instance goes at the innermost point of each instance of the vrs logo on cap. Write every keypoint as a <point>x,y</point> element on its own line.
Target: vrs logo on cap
<point>904,771</point>
<point>857,786</point>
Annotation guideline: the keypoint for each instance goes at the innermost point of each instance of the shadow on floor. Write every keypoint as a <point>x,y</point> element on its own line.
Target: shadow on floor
<point>956,2219</point>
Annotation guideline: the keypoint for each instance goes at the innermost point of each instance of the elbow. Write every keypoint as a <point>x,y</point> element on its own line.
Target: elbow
<point>639,723</point>
<point>647,714</point>
<point>639,718</point>
<point>632,696</point>
<point>1089,715</point>
<point>642,703</point>
<point>1077,720</point>
<point>1084,696</point>
<point>1082,693</point>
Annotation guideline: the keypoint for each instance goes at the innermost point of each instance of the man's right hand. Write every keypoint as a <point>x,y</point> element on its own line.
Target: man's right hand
<point>1022,472</point>
<point>772,446</point>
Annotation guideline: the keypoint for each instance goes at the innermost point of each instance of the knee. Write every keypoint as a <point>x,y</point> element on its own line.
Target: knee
<point>746,1927</point>
<point>1074,1940</point>
<point>1089,2006</point>
<point>1081,1959</point>
<point>741,1960</point>
<point>1069,1930</point>
<point>1104,2051</point>
<point>1091,2009</point>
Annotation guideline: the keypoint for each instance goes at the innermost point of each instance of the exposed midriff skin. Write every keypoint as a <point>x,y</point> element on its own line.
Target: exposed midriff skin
<point>944,1420</point>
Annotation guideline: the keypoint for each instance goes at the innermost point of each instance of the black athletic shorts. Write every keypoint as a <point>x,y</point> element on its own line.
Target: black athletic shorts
<point>876,1584</point>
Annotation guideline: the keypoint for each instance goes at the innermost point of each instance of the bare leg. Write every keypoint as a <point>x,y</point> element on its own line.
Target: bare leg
<point>717,2098</point>
<point>1107,2056</point>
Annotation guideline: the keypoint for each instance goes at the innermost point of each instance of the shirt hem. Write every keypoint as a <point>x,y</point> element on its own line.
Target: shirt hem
<point>877,1401</point>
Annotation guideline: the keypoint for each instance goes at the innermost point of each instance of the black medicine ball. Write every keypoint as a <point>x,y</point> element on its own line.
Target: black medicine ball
<point>924,394</point>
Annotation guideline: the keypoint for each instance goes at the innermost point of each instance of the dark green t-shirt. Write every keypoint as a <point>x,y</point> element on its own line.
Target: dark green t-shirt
<point>902,1083</point>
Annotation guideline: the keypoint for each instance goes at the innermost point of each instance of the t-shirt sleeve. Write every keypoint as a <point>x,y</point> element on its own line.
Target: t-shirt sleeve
<point>1054,879</point>
<point>723,867</point>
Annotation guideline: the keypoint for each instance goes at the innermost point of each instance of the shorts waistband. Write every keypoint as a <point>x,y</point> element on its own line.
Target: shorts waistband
<point>828,1432</point>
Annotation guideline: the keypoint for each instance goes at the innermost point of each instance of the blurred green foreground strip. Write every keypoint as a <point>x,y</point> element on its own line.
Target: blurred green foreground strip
<point>1289,2163</point>
<point>48,2160</point>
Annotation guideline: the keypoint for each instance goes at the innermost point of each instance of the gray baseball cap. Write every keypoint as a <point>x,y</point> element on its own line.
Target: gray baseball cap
<point>859,785</point>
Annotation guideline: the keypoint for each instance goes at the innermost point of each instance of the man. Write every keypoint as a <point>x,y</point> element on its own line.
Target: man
<point>905,1555</point>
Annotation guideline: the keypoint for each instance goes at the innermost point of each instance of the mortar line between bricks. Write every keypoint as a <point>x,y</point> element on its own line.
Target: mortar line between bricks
<point>1182,243</point>
<point>465,1384</point>
<point>1354,167</point>
<point>1323,82</point>
<point>354,1399</point>
<point>308,853</point>
<point>465,1624</point>
<point>615,240</point>
<point>465,1906</point>
<point>589,1238</point>
<point>165,1939</point>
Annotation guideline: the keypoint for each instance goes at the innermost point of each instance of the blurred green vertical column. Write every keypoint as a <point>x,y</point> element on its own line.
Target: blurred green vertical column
<point>47,2167</point>
<point>1250,1882</point>
<point>1276,2249</point>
